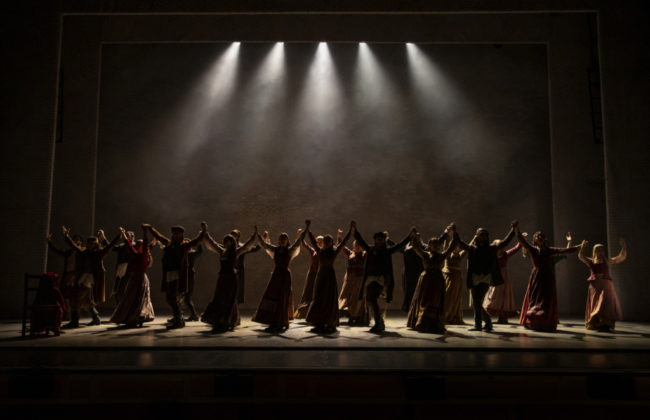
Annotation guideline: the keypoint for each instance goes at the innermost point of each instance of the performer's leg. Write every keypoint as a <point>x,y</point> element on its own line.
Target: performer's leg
<point>171,295</point>
<point>373,291</point>
<point>187,301</point>
<point>94,314</point>
<point>477,305</point>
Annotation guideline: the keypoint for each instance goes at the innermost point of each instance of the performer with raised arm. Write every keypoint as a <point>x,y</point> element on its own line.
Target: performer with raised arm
<point>427,307</point>
<point>175,268</point>
<point>378,273</point>
<point>91,277</point>
<point>451,271</point>
<point>350,301</point>
<point>483,271</point>
<point>323,312</point>
<point>134,308</point>
<point>223,312</point>
<point>411,273</point>
<point>603,309</point>
<point>71,266</point>
<point>539,310</point>
<point>239,265</point>
<point>276,306</point>
<point>123,252</point>
<point>308,290</point>
<point>499,300</point>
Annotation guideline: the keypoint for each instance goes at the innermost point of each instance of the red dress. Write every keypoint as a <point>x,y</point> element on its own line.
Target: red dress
<point>135,306</point>
<point>427,307</point>
<point>539,310</point>
<point>603,308</point>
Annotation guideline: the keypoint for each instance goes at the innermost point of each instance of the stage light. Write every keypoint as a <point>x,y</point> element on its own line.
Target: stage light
<point>264,94</point>
<point>319,107</point>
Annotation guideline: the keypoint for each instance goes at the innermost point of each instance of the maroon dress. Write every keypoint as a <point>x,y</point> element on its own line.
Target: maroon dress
<point>135,306</point>
<point>324,309</point>
<point>603,308</point>
<point>276,307</point>
<point>539,310</point>
<point>222,311</point>
<point>308,291</point>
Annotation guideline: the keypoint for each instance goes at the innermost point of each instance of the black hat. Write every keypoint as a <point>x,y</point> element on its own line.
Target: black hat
<point>180,229</point>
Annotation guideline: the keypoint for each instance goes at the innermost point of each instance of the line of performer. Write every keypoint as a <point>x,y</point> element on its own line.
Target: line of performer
<point>432,279</point>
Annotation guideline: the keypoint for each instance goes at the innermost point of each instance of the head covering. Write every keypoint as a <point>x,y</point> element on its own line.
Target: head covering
<point>180,229</point>
<point>379,235</point>
<point>481,231</point>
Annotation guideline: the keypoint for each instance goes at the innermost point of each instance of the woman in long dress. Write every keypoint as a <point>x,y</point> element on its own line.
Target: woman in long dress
<point>539,310</point>
<point>451,271</point>
<point>323,312</point>
<point>427,307</point>
<point>223,312</point>
<point>500,300</point>
<point>603,308</point>
<point>276,307</point>
<point>135,307</point>
<point>351,300</point>
<point>308,290</point>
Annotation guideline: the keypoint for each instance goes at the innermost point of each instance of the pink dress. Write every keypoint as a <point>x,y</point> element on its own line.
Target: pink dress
<point>499,300</point>
<point>603,309</point>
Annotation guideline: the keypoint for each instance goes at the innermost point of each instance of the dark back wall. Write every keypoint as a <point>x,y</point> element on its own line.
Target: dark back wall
<point>387,134</point>
<point>578,166</point>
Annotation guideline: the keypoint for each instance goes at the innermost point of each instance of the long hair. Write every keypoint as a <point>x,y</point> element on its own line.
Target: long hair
<point>595,248</point>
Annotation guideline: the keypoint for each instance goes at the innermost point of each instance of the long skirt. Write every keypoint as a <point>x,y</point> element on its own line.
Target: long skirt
<point>426,312</point>
<point>135,306</point>
<point>500,301</point>
<point>223,311</point>
<point>324,309</point>
<point>276,307</point>
<point>350,300</point>
<point>539,310</point>
<point>603,308</point>
<point>453,308</point>
<point>307,295</point>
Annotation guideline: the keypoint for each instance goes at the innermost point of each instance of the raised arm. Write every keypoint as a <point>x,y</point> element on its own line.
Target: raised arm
<point>511,234</point>
<point>308,248</point>
<point>341,245</point>
<point>112,243</point>
<point>513,250</point>
<point>455,238</point>
<point>403,242</point>
<point>360,241</point>
<point>294,249</point>
<point>212,245</point>
<point>159,237</point>
<point>418,247</point>
<point>582,256</point>
<point>268,247</point>
<point>68,239</point>
<point>54,248</point>
<point>622,255</point>
<point>249,244</point>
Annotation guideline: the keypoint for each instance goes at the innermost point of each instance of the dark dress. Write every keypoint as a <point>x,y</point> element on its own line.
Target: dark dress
<point>135,307</point>
<point>412,269</point>
<point>324,309</point>
<point>427,307</point>
<point>539,310</point>
<point>276,307</point>
<point>308,290</point>
<point>222,311</point>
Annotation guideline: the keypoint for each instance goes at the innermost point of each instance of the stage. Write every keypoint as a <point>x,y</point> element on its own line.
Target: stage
<point>249,371</point>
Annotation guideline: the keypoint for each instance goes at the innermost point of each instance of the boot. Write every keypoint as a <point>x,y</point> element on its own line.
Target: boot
<point>176,323</point>
<point>379,326</point>
<point>74,320</point>
<point>95,315</point>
